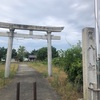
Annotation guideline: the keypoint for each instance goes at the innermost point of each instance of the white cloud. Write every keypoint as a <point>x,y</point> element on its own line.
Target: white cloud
<point>80,6</point>
<point>3,42</point>
<point>74,15</point>
<point>52,21</point>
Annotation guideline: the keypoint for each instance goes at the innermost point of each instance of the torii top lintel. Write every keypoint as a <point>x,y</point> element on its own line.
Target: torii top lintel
<point>30,27</point>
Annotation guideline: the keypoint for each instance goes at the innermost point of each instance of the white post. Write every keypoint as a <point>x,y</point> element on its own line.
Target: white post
<point>89,64</point>
<point>9,53</point>
<point>96,3</point>
<point>49,54</point>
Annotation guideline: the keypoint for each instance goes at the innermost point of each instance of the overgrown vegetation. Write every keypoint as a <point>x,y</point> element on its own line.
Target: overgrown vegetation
<point>73,66</point>
<point>13,69</point>
<point>71,63</point>
<point>59,81</point>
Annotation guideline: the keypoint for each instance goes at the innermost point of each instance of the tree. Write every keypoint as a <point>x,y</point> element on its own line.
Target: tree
<point>26,54</point>
<point>73,66</point>
<point>54,52</point>
<point>14,53</point>
<point>34,52</point>
<point>21,53</point>
<point>3,52</point>
<point>60,60</point>
<point>42,53</point>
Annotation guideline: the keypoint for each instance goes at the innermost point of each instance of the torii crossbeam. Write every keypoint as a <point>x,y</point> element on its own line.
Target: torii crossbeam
<point>31,28</point>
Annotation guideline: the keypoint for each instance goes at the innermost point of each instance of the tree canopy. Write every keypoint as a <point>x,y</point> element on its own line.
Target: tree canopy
<point>42,53</point>
<point>3,52</point>
<point>21,53</point>
<point>14,53</point>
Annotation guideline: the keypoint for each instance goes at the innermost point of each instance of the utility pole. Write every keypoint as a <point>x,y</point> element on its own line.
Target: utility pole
<point>97,28</point>
<point>96,6</point>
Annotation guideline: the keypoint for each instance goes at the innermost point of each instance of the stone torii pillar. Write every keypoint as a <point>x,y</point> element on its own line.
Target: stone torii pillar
<point>49,53</point>
<point>9,54</point>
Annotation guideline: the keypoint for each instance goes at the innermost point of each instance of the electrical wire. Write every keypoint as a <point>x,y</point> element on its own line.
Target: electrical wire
<point>68,42</point>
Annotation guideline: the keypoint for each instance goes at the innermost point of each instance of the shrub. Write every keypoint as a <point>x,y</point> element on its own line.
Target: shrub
<point>73,65</point>
<point>59,62</point>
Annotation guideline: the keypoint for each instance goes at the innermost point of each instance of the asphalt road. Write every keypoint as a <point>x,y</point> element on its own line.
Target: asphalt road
<point>26,76</point>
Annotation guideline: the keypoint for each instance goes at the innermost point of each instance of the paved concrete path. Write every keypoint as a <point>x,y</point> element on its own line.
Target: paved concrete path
<point>27,76</point>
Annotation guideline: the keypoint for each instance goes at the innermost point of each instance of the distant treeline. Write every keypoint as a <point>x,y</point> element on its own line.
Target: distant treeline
<point>22,53</point>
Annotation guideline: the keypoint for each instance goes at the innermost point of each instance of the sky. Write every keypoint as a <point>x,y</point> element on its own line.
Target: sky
<point>73,15</point>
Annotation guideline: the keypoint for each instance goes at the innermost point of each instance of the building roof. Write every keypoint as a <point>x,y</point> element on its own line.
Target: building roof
<point>32,56</point>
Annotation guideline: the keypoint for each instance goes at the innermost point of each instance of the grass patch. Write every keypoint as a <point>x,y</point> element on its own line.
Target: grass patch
<point>13,69</point>
<point>40,67</point>
<point>58,81</point>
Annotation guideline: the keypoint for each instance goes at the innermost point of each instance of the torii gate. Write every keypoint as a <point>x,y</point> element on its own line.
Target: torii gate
<point>31,28</point>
